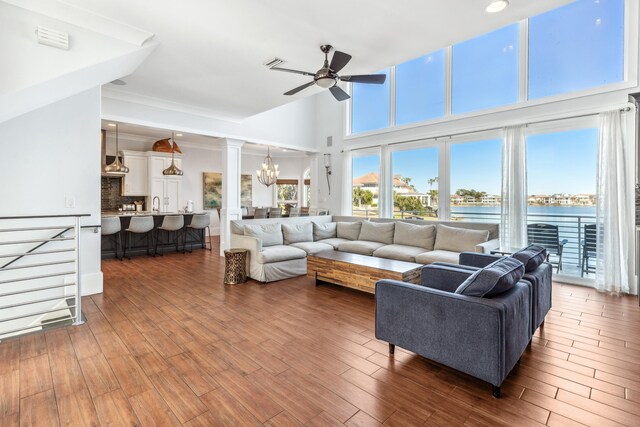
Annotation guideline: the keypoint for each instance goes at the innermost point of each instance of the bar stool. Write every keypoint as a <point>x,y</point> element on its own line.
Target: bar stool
<point>110,227</point>
<point>170,223</point>
<point>199,224</point>
<point>139,225</point>
<point>260,213</point>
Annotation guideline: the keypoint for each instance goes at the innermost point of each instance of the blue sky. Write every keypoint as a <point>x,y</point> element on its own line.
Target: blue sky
<point>575,47</point>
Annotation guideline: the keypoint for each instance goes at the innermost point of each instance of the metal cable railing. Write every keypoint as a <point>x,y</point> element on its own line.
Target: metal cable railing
<point>40,279</point>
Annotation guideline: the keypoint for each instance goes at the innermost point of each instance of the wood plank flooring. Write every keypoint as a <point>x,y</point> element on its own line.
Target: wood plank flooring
<point>168,344</point>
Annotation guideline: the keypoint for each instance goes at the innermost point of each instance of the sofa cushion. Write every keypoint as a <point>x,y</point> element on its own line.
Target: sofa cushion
<point>422,236</point>
<point>377,232</point>
<point>313,248</point>
<point>459,239</point>
<point>361,247</point>
<point>324,231</point>
<point>280,253</point>
<point>437,256</point>
<point>295,233</point>
<point>531,256</point>
<point>334,242</point>
<point>348,230</point>
<point>494,279</point>
<point>270,234</point>
<point>398,252</point>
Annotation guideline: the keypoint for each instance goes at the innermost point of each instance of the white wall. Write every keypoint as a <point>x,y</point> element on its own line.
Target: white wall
<point>50,154</point>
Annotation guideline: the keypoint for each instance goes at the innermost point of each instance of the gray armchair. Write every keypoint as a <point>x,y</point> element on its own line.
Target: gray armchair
<point>481,336</point>
<point>540,278</point>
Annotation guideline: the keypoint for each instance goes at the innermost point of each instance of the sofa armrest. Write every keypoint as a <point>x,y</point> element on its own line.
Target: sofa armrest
<point>252,244</point>
<point>443,277</point>
<point>483,337</point>
<point>487,247</point>
<point>475,259</point>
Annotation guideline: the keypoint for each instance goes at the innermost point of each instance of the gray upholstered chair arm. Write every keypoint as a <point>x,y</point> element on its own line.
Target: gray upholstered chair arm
<point>487,247</point>
<point>443,277</point>
<point>475,259</point>
<point>253,244</point>
<point>480,336</point>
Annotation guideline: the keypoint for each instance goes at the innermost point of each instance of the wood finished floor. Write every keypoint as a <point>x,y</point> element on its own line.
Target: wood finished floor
<point>168,344</point>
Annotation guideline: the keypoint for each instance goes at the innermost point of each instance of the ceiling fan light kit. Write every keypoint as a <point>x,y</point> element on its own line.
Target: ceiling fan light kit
<point>327,77</point>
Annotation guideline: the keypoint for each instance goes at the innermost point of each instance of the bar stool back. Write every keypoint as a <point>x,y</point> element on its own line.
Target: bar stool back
<point>293,212</point>
<point>140,225</point>
<point>110,227</point>
<point>275,213</point>
<point>170,223</point>
<point>200,224</point>
<point>260,213</point>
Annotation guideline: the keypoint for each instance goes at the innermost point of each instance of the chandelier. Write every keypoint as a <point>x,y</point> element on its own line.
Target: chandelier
<point>268,175</point>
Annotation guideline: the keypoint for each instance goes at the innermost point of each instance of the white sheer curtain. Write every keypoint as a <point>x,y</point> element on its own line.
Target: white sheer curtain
<point>513,218</point>
<point>614,211</point>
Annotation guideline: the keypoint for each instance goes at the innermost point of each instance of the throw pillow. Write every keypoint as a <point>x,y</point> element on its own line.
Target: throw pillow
<point>323,231</point>
<point>455,239</point>
<point>531,256</point>
<point>348,230</point>
<point>422,236</point>
<point>494,279</point>
<point>381,232</point>
<point>296,233</point>
<point>270,234</point>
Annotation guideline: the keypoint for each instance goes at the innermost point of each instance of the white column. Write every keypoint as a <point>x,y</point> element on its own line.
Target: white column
<point>385,192</point>
<point>317,179</point>
<point>346,207</point>
<point>231,210</point>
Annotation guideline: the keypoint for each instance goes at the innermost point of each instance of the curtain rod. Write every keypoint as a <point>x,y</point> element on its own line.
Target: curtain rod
<point>436,138</point>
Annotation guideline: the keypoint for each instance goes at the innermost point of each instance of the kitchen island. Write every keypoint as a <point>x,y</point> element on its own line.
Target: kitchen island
<point>139,245</point>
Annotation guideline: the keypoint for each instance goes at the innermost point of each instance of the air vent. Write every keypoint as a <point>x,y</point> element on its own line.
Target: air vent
<point>52,38</point>
<point>274,62</point>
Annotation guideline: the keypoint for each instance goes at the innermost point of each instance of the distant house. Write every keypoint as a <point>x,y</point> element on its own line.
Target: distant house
<point>490,200</point>
<point>371,182</point>
<point>457,200</point>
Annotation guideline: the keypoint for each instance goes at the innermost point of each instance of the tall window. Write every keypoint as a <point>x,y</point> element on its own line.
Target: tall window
<point>287,193</point>
<point>415,183</point>
<point>370,105</point>
<point>476,179</point>
<point>577,46</point>
<point>561,174</point>
<point>485,71</point>
<point>366,185</point>
<point>420,89</point>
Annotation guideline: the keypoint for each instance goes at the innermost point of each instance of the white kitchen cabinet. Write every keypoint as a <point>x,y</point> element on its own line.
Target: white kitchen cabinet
<point>167,188</point>
<point>136,182</point>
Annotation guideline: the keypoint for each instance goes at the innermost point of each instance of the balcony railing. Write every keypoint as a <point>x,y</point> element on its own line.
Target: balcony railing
<point>570,227</point>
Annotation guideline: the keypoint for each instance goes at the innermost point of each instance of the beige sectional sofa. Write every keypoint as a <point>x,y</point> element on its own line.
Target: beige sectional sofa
<point>278,247</point>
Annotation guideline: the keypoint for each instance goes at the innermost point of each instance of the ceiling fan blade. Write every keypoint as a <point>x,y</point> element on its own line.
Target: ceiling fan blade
<point>377,79</point>
<point>299,88</point>
<point>339,94</point>
<point>339,60</point>
<point>287,70</point>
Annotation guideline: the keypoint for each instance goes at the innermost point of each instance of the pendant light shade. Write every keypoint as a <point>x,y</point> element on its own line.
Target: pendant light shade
<point>268,175</point>
<point>116,167</point>
<point>173,169</point>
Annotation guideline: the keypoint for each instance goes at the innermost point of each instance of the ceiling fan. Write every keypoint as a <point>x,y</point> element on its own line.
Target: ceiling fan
<point>328,78</point>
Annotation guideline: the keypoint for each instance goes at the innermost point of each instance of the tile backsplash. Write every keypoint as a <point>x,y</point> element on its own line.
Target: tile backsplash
<point>111,194</point>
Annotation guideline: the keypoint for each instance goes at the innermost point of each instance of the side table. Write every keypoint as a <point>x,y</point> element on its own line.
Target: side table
<point>235,266</point>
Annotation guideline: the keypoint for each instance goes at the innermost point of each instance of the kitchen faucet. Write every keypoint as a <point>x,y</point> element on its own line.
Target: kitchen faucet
<point>153,204</point>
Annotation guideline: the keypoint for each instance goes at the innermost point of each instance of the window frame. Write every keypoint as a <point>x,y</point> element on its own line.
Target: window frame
<point>631,72</point>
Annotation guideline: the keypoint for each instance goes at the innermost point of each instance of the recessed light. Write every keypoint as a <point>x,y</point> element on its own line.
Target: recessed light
<point>284,149</point>
<point>111,124</point>
<point>178,134</point>
<point>497,6</point>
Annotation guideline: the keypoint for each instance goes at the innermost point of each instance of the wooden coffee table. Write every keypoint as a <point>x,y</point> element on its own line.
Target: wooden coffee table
<point>359,271</point>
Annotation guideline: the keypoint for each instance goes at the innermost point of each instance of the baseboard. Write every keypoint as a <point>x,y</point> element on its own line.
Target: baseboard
<point>92,283</point>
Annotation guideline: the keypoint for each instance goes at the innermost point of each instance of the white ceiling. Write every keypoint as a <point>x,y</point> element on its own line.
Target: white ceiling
<point>183,139</point>
<point>211,52</point>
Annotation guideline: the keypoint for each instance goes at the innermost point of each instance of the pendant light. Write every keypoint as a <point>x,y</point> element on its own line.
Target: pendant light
<point>173,169</point>
<point>268,175</point>
<point>116,168</point>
